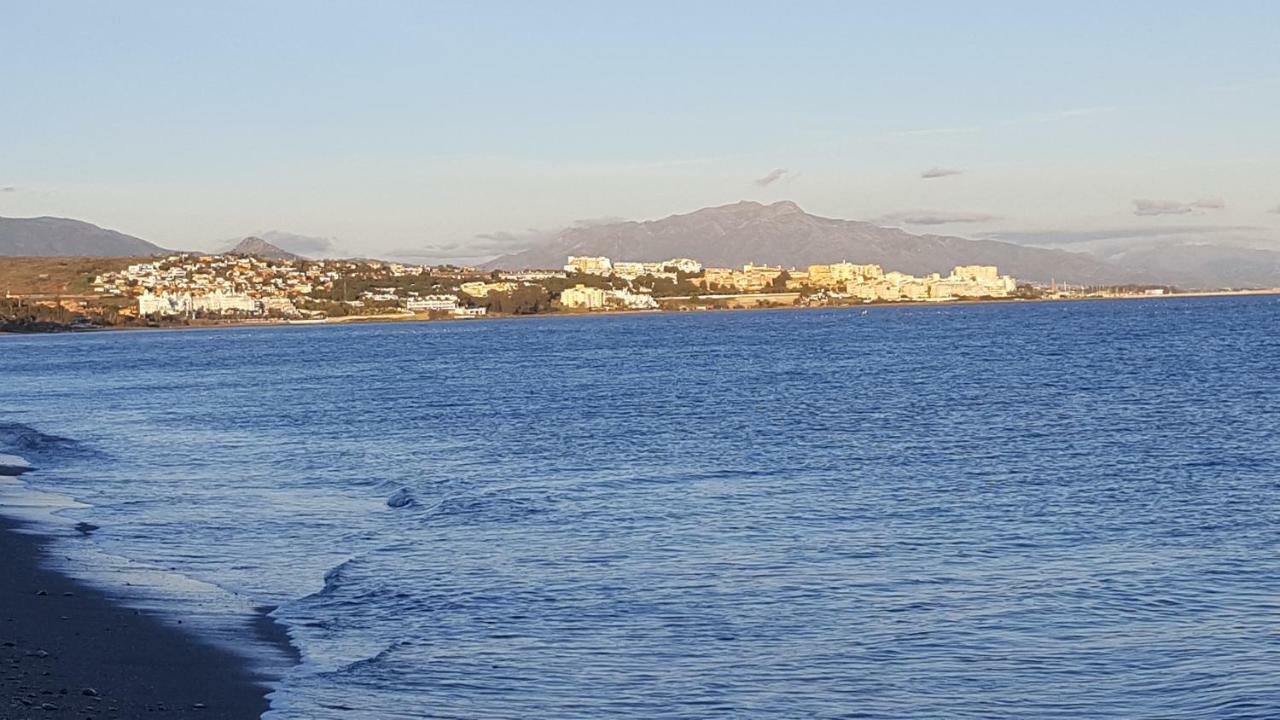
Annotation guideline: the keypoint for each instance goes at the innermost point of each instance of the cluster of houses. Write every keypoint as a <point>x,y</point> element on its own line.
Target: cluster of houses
<point>217,284</point>
<point>233,284</point>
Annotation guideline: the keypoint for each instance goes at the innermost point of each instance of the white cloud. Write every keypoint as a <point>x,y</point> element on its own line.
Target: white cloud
<point>772,177</point>
<point>1173,207</point>
<point>933,217</point>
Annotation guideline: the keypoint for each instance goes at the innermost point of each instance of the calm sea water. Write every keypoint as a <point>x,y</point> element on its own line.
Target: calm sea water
<point>989,511</point>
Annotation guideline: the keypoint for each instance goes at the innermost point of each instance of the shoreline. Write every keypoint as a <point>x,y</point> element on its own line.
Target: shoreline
<point>69,650</point>
<point>390,319</point>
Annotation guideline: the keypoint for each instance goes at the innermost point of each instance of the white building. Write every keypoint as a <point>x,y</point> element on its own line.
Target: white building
<point>432,303</point>
<point>684,265</point>
<point>631,301</point>
<point>165,304</point>
<point>222,303</point>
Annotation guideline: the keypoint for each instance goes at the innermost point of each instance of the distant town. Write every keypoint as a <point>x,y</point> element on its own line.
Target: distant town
<point>190,289</point>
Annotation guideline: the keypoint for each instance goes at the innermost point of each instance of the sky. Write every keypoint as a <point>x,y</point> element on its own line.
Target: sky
<point>440,130</point>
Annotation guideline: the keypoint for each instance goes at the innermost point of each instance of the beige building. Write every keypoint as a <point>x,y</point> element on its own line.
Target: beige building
<point>977,273</point>
<point>582,297</point>
<point>837,275</point>
<point>758,277</point>
<point>480,289</point>
<point>713,278</point>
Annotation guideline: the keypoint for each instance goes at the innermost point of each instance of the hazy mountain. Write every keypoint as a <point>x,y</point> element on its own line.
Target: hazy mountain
<point>50,237</point>
<point>1188,256</point>
<point>1206,266</point>
<point>783,234</point>
<point>257,247</point>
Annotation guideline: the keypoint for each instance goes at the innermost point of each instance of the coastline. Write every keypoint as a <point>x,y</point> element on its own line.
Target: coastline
<point>69,650</point>
<point>388,319</point>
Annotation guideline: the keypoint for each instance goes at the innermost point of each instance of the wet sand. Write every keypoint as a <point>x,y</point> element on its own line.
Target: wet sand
<point>68,650</point>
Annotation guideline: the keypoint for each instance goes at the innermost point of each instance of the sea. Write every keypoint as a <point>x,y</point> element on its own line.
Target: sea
<point>1022,510</point>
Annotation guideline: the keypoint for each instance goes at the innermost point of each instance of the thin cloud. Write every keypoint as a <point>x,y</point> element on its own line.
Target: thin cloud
<point>300,244</point>
<point>595,221</point>
<point>940,172</point>
<point>924,132</point>
<point>1275,210</point>
<point>502,240</point>
<point>933,217</point>
<point>1145,207</point>
<point>484,246</point>
<point>507,237</point>
<point>8,189</point>
<point>1139,233</point>
<point>774,176</point>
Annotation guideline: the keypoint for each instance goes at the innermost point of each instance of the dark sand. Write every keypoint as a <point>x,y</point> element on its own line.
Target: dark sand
<point>67,650</point>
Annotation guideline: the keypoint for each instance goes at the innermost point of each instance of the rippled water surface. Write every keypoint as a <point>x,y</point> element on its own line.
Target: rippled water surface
<point>1017,511</point>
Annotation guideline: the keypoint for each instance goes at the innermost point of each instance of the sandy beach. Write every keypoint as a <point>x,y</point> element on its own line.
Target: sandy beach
<point>68,650</point>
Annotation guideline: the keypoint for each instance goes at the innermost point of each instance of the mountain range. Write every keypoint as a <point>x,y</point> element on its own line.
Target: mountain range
<point>54,237</point>
<point>783,234</point>
<point>780,234</point>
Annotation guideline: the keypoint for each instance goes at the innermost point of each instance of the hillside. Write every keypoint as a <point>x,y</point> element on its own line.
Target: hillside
<point>783,234</point>
<point>56,275</point>
<point>257,247</point>
<point>62,237</point>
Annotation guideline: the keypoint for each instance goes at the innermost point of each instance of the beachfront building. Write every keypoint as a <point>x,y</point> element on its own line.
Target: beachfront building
<point>752,278</point>
<point>161,304</point>
<point>432,303</point>
<point>581,297</point>
<point>218,303</point>
<point>630,300</point>
<point>838,275</point>
<point>278,306</point>
<point>973,281</point>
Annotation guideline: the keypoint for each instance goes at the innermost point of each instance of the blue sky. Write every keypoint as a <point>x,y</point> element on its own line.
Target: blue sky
<point>414,127</point>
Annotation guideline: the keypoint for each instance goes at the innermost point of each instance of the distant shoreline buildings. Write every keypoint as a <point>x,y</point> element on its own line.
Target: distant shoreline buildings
<point>844,279</point>
<point>240,286</point>
<point>189,289</point>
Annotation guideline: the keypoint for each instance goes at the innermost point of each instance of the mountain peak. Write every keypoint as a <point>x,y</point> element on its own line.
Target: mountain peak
<point>257,247</point>
<point>751,206</point>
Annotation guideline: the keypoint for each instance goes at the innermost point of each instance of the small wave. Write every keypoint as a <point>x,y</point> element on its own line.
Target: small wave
<point>356,666</point>
<point>33,444</point>
<point>402,498</point>
<point>14,465</point>
<point>490,508</point>
<point>333,578</point>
